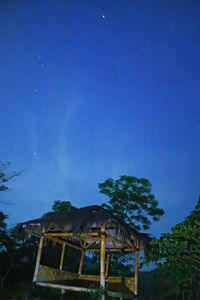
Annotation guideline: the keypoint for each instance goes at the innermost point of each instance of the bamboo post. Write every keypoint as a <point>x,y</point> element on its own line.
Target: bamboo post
<point>81,263</point>
<point>38,258</point>
<point>62,294</point>
<point>62,257</point>
<point>107,264</point>
<point>102,261</point>
<point>61,267</point>
<point>136,269</point>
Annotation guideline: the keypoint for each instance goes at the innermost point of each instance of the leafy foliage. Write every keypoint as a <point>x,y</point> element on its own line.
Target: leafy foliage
<point>131,200</point>
<point>154,285</point>
<point>8,247</point>
<point>5,176</point>
<point>179,250</point>
<point>96,294</point>
<point>60,207</point>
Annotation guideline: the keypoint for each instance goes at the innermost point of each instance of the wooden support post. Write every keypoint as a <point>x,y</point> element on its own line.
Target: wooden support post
<point>136,269</point>
<point>107,264</point>
<point>81,263</point>
<point>62,294</point>
<point>61,267</point>
<point>102,261</point>
<point>62,257</point>
<point>38,259</point>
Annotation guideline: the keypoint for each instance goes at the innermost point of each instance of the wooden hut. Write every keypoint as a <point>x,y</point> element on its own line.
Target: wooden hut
<point>90,228</point>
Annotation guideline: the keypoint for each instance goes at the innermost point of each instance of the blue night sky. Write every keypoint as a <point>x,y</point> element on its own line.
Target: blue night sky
<point>96,89</point>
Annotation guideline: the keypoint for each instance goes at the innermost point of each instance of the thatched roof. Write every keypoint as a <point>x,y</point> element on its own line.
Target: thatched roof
<point>84,220</point>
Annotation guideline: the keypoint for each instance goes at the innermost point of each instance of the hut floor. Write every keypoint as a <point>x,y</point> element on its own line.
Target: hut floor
<point>114,288</point>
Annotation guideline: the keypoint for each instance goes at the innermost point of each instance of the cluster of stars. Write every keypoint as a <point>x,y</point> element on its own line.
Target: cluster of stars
<point>39,56</point>
<point>33,153</point>
<point>73,75</point>
<point>41,65</point>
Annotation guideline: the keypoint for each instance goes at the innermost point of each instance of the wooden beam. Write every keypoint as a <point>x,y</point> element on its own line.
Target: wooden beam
<point>107,264</point>
<point>62,257</point>
<point>82,289</point>
<point>66,243</point>
<point>73,246</point>
<point>114,244</point>
<point>89,245</point>
<point>81,262</point>
<point>111,250</point>
<point>121,250</point>
<point>102,259</point>
<point>90,249</point>
<point>55,239</point>
<point>136,269</point>
<point>38,258</point>
<point>81,243</point>
<point>90,238</point>
<point>112,238</point>
<point>66,234</point>
<point>69,288</point>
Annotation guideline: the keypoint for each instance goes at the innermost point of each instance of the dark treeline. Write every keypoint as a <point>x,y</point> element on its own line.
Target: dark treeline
<point>176,254</point>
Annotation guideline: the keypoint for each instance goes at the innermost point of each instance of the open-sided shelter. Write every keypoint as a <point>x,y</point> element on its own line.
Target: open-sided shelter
<point>87,229</point>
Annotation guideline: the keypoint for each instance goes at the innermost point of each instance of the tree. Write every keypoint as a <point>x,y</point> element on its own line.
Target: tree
<point>131,200</point>
<point>8,245</point>
<point>60,207</point>
<point>17,260</point>
<point>6,176</point>
<point>179,252</point>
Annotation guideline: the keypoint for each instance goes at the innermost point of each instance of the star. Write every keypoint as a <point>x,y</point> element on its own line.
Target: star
<point>103,16</point>
<point>35,153</point>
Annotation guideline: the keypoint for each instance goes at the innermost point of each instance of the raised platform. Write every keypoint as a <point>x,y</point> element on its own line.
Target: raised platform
<point>115,286</point>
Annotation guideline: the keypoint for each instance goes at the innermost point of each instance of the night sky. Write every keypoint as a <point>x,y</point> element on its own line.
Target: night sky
<point>96,89</point>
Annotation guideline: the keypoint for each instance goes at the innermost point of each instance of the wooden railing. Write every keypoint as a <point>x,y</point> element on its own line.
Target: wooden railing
<point>48,274</point>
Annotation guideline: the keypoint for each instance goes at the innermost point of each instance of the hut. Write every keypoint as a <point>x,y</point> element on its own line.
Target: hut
<point>87,229</point>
